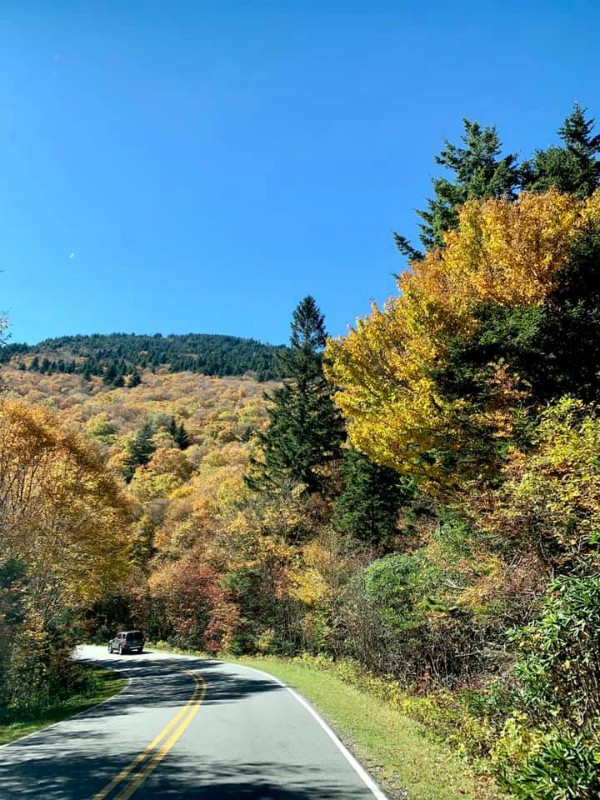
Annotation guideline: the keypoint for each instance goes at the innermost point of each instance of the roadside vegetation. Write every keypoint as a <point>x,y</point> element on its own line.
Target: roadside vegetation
<point>94,686</point>
<point>417,504</point>
<point>402,754</point>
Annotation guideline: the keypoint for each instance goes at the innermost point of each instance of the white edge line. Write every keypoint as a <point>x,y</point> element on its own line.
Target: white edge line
<point>356,766</point>
<point>67,719</point>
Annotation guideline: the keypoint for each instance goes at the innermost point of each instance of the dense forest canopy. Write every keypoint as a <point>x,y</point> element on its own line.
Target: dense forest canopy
<point>119,357</point>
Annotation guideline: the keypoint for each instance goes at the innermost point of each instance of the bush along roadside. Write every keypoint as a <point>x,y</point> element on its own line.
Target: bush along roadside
<point>549,748</point>
<point>93,685</point>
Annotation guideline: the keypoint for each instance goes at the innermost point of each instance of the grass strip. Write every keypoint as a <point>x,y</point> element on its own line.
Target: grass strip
<point>395,749</point>
<point>102,684</point>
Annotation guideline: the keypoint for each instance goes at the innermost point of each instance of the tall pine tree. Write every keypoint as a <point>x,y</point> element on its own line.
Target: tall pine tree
<point>479,171</point>
<point>305,429</point>
<point>139,450</point>
<point>573,167</point>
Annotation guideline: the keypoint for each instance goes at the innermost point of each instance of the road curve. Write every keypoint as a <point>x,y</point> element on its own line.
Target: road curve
<point>185,728</point>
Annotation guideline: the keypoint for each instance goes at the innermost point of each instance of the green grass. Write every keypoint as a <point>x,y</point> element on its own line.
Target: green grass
<point>394,749</point>
<point>102,684</point>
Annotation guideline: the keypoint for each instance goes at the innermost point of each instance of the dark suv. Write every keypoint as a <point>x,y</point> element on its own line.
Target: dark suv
<point>127,642</point>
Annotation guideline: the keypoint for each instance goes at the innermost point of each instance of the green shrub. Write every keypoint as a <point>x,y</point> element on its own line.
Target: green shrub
<point>559,656</point>
<point>550,747</point>
<point>558,767</point>
<point>40,671</point>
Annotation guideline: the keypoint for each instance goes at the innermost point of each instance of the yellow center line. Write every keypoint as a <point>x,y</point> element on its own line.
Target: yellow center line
<point>151,765</point>
<point>146,752</point>
<point>157,740</point>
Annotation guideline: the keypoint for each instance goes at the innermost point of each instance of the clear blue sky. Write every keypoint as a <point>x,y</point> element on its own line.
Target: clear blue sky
<point>201,166</point>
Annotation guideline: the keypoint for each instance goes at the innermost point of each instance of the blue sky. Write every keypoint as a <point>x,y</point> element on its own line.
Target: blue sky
<point>200,167</point>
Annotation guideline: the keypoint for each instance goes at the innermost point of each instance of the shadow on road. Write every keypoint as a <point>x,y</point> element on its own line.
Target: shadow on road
<point>218,780</point>
<point>164,683</point>
<point>72,776</point>
<point>58,766</point>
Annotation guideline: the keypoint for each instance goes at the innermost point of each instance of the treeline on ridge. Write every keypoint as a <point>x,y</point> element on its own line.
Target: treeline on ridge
<point>119,358</point>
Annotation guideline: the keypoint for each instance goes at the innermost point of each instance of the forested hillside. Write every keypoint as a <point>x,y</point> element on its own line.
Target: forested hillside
<point>118,358</point>
<point>416,505</point>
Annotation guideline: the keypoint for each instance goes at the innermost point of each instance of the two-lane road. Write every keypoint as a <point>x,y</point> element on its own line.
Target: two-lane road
<point>185,728</point>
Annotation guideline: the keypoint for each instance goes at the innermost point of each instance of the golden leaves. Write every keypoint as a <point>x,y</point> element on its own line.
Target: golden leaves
<point>502,252</point>
<point>63,514</point>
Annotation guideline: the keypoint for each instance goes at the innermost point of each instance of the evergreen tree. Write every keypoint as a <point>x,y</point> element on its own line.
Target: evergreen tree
<point>134,379</point>
<point>573,168</point>
<point>479,171</point>
<point>367,509</point>
<point>110,374</point>
<point>180,436</point>
<point>139,451</point>
<point>553,347</point>
<point>569,337</point>
<point>305,429</point>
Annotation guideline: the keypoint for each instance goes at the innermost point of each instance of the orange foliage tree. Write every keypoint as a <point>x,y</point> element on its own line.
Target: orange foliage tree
<point>64,516</point>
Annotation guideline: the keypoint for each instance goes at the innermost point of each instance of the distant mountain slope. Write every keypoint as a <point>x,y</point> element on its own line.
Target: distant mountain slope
<point>119,357</point>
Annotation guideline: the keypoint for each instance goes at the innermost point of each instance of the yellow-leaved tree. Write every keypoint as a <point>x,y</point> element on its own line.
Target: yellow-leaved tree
<point>63,514</point>
<point>63,541</point>
<point>505,254</point>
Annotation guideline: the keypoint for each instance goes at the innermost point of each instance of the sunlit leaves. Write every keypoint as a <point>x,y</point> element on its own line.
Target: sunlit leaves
<point>63,514</point>
<point>504,253</point>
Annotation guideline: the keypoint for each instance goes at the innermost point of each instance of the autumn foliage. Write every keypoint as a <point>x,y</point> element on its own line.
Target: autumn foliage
<point>448,545</point>
<point>508,254</point>
<point>63,542</point>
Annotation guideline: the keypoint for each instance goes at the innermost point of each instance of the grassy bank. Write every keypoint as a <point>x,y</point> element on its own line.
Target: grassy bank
<point>395,749</point>
<point>100,685</point>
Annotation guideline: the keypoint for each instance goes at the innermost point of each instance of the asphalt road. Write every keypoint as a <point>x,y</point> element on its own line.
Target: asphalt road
<point>185,728</point>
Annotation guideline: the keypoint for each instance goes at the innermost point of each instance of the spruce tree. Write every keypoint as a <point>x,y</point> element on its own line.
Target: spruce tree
<point>573,168</point>
<point>479,171</point>
<point>139,451</point>
<point>179,434</point>
<point>305,429</point>
<point>182,437</point>
<point>110,374</point>
<point>134,379</point>
<point>367,509</point>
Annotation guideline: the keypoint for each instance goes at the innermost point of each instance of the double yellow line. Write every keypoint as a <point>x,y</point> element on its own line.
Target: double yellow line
<point>128,780</point>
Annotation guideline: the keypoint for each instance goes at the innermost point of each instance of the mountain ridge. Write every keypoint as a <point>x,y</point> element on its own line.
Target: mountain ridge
<point>119,357</point>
